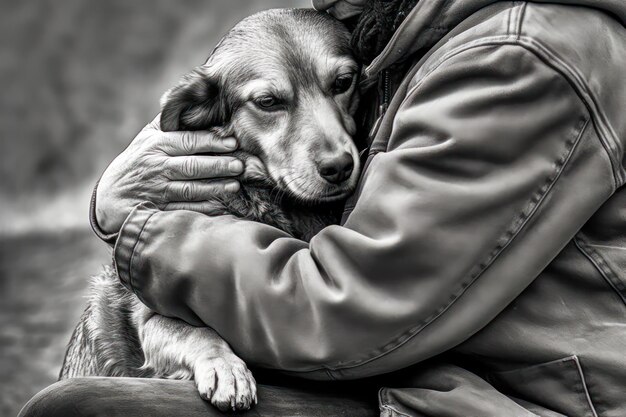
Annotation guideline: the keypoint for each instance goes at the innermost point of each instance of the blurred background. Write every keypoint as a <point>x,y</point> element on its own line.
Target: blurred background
<point>79,79</point>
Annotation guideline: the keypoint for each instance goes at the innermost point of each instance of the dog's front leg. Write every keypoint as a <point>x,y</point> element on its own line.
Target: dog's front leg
<point>175,349</point>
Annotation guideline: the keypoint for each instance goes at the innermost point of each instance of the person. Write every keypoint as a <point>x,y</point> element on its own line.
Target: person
<point>484,251</point>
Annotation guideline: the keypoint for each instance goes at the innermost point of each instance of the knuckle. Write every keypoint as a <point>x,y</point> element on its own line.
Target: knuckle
<point>168,173</point>
<point>188,142</point>
<point>189,167</point>
<point>168,192</point>
<point>167,169</point>
<point>155,143</point>
<point>187,191</point>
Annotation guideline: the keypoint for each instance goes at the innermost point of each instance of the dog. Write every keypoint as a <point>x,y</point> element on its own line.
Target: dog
<point>284,82</point>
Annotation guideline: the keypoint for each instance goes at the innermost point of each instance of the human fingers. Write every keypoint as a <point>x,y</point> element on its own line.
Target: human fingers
<point>195,142</point>
<point>205,207</point>
<point>192,191</point>
<point>198,167</point>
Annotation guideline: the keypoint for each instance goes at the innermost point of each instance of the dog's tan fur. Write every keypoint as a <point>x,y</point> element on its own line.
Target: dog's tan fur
<point>301,58</point>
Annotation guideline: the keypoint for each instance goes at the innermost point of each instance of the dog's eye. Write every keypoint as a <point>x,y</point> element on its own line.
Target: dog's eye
<point>342,83</point>
<point>267,102</point>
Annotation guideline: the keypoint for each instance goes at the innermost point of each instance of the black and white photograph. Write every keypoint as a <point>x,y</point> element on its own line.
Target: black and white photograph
<point>313,208</point>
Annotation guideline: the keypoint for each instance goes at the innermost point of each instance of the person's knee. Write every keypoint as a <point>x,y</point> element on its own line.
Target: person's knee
<point>60,399</point>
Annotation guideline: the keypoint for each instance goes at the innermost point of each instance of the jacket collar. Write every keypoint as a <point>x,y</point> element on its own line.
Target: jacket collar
<point>431,20</point>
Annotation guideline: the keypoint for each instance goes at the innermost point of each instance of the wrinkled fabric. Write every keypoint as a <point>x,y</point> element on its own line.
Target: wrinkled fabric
<point>490,221</point>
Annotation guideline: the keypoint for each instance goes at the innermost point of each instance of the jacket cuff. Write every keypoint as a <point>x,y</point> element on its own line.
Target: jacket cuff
<point>129,240</point>
<point>109,238</point>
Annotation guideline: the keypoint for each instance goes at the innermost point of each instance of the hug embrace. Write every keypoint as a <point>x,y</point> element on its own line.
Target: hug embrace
<point>395,208</point>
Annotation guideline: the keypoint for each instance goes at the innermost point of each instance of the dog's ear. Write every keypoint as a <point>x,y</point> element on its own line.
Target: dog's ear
<point>194,104</point>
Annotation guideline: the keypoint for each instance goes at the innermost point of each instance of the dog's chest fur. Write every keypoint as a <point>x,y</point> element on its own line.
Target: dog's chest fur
<point>266,205</point>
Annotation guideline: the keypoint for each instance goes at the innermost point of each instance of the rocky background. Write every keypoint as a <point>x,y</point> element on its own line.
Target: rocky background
<point>78,79</point>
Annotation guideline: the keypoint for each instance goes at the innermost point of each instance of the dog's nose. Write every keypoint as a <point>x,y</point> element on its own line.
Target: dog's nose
<point>336,169</point>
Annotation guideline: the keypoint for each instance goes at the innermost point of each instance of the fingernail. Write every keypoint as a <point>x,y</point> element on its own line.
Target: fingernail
<point>230,143</point>
<point>232,187</point>
<point>235,167</point>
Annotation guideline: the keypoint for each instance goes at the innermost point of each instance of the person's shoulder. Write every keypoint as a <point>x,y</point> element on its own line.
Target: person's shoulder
<point>586,46</point>
<point>581,37</point>
<point>582,46</point>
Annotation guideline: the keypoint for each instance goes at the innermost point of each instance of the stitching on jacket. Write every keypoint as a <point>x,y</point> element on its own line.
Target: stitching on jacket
<point>580,388</point>
<point>132,254</point>
<point>391,412</point>
<point>522,219</point>
<point>385,408</point>
<point>522,13</point>
<point>498,40</point>
<point>583,383</point>
<point>599,263</point>
<point>515,7</point>
<point>348,208</point>
<point>517,225</point>
<point>505,240</point>
<point>606,135</point>
<point>508,22</point>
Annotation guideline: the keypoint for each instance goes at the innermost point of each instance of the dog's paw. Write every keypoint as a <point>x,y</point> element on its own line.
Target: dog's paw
<point>226,382</point>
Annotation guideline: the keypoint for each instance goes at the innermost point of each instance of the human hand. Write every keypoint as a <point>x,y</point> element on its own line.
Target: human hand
<point>169,170</point>
<point>340,9</point>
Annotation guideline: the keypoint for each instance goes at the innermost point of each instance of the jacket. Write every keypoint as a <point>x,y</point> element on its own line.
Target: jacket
<point>489,223</point>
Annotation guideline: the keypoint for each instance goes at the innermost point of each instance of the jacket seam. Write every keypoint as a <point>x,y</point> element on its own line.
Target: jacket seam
<point>508,21</point>
<point>563,69</point>
<point>571,363</point>
<point>599,263</point>
<point>383,404</point>
<point>392,412</point>
<point>348,208</point>
<point>509,236</point>
<point>498,40</point>
<point>585,389</point>
<point>520,22</point>
<point>134,250</point>
<point>606,135</point>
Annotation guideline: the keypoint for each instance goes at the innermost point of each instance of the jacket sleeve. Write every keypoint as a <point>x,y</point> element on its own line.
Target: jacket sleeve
<point>491,168</point>
<point>109,238</point>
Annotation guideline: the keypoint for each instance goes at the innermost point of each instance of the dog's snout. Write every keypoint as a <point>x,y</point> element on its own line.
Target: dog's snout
<point>336,169</point>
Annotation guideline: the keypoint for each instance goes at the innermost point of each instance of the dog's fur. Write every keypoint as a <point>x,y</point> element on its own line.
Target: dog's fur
<point>300,59</point>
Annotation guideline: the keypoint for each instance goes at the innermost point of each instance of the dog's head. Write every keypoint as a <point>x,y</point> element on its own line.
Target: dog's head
<point>284,83</point>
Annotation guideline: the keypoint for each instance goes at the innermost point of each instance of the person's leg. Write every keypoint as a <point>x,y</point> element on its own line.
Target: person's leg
<point>444,389</point>
<point>133,397</point>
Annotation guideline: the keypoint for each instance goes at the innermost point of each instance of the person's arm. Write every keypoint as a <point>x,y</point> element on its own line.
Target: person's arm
<point>493,166</point>
<point>168,169</point>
